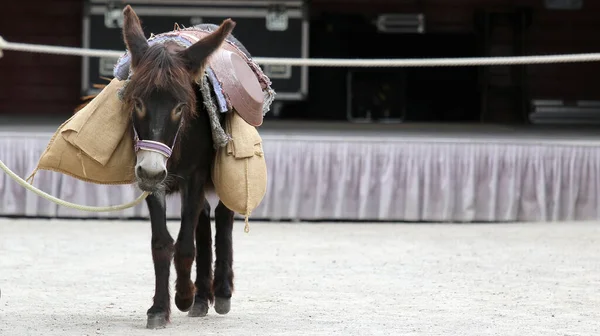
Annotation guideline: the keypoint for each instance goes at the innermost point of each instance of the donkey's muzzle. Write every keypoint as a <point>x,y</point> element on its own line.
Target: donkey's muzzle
<point>150,170</point>
<point>149,180</point>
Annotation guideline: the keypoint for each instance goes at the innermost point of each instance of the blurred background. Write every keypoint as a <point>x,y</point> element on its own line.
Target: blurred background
<point>481,143</point>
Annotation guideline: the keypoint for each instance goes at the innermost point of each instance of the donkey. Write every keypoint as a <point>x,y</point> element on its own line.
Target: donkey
<point>167,111</point>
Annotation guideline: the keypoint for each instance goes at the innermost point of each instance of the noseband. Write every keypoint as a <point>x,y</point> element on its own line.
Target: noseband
<point>154,146</point>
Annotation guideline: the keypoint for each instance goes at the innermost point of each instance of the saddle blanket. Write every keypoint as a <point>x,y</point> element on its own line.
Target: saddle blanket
<point>185,37</point>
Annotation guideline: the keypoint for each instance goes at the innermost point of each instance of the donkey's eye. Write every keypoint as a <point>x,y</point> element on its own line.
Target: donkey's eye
<point>178,110</point>
<point>139,108</point>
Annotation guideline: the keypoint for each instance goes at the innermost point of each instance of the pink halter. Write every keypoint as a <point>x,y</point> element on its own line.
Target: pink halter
<point>154,146</point>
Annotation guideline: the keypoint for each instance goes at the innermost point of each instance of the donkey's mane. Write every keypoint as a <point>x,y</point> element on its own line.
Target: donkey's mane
<point>161,69</point>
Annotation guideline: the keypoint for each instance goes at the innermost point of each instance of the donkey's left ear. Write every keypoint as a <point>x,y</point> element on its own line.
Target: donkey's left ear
<point>197,54</point>
<point>134,36</point>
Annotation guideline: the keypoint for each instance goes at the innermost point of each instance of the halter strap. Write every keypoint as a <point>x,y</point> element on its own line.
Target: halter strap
<point>154,146</point>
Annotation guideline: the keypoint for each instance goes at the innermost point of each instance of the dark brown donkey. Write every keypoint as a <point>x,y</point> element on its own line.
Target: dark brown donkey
<point>167,109</point>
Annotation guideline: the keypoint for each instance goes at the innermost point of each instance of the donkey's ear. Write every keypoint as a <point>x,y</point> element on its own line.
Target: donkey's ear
<point>197,54</point>
<point>133,35</point>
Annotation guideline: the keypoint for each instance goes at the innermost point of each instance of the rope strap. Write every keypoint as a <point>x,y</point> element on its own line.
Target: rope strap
<point>58,201</point>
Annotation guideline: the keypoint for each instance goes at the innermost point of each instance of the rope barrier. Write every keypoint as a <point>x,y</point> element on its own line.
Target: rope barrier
<point>58,201</point>
<point>331,62</point>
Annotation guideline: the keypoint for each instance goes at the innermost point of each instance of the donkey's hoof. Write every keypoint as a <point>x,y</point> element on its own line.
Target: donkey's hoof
<point>184,305</point>
<point>199,309</point>
<point>222,305</point>
<point>157,321</point>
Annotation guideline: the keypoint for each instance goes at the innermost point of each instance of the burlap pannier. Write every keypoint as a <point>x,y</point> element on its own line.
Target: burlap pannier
<point>94,145</point>
<point>240,171</point>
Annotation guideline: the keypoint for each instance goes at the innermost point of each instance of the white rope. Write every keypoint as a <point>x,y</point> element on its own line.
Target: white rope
<point>432,62</point>
<point>68,204</point>
<point>332,62</point>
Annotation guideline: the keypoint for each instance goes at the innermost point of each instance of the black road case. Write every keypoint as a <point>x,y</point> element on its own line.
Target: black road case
<point>267,28</point>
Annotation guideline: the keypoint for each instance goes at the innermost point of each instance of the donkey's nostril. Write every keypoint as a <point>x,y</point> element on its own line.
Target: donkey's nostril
<point>157,175</point>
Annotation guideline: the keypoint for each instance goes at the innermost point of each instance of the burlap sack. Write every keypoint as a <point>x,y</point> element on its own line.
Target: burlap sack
<point>94,145</point>
<point>239,172</point>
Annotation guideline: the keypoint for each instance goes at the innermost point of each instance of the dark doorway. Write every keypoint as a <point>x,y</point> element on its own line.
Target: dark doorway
<point>437,94</point>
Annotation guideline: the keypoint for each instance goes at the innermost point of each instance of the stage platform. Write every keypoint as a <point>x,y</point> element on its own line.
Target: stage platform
<point>367,172</point>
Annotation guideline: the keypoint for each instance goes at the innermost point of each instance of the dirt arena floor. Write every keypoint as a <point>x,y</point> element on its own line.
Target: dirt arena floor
<point>66,277</point>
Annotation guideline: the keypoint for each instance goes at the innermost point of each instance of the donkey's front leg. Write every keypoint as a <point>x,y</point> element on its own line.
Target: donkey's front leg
<point>192,200</point>
<point>162,253</point>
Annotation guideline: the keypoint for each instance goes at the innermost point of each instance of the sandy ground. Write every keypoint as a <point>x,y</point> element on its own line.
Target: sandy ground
<point>95,278</point>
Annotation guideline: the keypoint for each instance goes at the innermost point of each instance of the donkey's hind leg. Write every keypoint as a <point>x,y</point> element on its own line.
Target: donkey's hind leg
<point>223,279</point>
<point>204,293</point>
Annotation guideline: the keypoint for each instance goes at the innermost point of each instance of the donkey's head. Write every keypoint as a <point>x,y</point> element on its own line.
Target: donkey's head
<point>161,95</point>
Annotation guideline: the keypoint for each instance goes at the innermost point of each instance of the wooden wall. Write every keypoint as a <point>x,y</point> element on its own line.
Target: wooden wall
<point>40,84</point>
